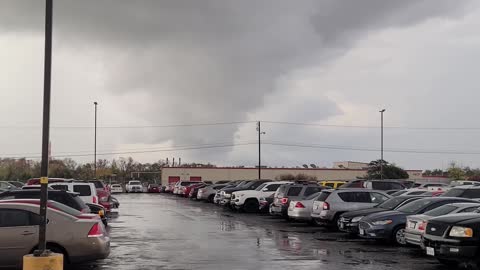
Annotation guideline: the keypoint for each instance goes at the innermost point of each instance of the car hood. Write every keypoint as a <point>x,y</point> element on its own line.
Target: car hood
<point>385,215</point>
<point>246,192</point>
<point>363,212</point>
<point>462,219</point>
<point>231,190</point>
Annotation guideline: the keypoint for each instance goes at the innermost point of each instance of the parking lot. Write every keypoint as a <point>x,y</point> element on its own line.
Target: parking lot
<point>156,231</point>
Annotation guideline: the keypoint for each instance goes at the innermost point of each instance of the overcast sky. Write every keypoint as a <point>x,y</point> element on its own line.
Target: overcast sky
<point>326,62</point>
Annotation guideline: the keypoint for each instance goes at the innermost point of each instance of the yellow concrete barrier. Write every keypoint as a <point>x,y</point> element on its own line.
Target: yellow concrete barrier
<point>53,261</point>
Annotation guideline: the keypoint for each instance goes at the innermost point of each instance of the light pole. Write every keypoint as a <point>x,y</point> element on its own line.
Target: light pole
<point>260,133</point>
<point>95,146</point>
<point>381,143</point>
<point>47,76</point>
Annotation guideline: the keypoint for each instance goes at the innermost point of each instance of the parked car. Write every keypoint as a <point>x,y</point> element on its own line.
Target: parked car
<point>179,188</point>
<point>103,193</point>
<point>472,192</point>
<point>221,182</point>
<point>227,193</point>
<point>249,200</point>
<point>390,225</point>
<point>332,184</point>
<point>301,210</point>
<point>16,184</point>
<point>4,185</point>
<point>349,221</point>
<point>219,195</point>
<point>457,183</point>
<point>208,193</point>
<point>331,204</point>
<point>86,191</point>
<point>428,185</point>
<point>194,191</point>
<point>288,192</point>
<point>134,186</point>
<point>411,192</point>
<point>375,184</point>
<point>153,188</point>
<point>187,189</point>
<point>265,203</point>
<point>454,239</point>
<point>416,224</point>
<point>116,188</point>
<point>79,237</point>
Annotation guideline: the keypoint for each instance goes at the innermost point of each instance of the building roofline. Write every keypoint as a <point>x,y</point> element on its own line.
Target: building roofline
<point>300,169</point>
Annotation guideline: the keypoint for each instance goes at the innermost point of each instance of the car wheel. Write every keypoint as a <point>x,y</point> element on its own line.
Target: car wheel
<point>317,222</point>
<point>449,263</point>
<point>251,206</point>
<point>59,250</point>
<point>210,198</point>
<point>399,236</point>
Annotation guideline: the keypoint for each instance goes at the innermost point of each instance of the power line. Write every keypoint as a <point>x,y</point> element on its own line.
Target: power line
<point>134,127</point>
<point>370,127</point>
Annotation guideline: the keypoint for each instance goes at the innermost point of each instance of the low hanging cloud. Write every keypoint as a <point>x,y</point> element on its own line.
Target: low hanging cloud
<point>188,61</point>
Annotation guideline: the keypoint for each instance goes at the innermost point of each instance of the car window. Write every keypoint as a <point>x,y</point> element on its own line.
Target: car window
<point>413,207</point>
<point>311,190</point>
<point>363,197</point>
<point>294,191</point>
<point>14,218</point>
<point>60,187</point>
<point>398,193</point>
<point>273,187</point>
<point>332,185</point>
<point>377,197</point>
<point>416,192</point>
<point>261,187</point>
<point>313,196</point>
<point>354,184</point>
<point>392,203</point>
<point>469,209</point>
<point>97,184</point>
<point>380,185</point>
<point>323,196</point>
<point>472,193</point>
<point>83,190</point>
<point>218,187</point>
<point>281,191</point>
<point>440,211</point>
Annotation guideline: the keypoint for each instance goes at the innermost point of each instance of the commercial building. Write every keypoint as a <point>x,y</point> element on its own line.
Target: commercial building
<point>350,165</point>
<point>174,174</point>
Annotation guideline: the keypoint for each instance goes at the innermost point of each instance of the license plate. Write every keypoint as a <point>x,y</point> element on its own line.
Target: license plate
<point>430,251</point>
<point>362,232</point>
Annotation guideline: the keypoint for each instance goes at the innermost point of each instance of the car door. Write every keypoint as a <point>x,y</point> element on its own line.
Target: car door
<point>85,192</point>
<point>18,234</point>
<point>269,190</point>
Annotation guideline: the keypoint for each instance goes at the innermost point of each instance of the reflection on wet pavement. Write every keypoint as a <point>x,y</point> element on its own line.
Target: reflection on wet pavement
<point>164,232</point>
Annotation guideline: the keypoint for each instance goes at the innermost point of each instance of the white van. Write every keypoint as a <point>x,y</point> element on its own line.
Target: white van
<point>86,191</point>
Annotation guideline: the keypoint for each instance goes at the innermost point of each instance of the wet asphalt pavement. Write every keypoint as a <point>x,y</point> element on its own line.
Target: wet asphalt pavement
<point>159,231</point>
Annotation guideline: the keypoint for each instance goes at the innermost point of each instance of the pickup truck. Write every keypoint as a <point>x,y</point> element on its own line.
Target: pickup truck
<point>134,186</point>
<point>249,200</point>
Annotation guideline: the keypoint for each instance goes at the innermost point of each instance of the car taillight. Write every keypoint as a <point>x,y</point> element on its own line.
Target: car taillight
<point>326,206</point>
<point>96,230</point>
<point>94,199</point>
<point>284,200</point>
<point>299,205</point>
<point>422,226</point>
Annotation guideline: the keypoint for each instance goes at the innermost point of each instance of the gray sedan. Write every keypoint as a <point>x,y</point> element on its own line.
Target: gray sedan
<point>301,210</point>
<point>79,237</point>
<point>208,193</point>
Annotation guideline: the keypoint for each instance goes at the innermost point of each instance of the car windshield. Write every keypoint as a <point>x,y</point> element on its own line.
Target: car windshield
<point>398,193</point>
<point>442,210</point>
<point>98,184</point>
<point>415,206</point>
<point>17,184</point>
<point>135,183</point>
<point>261,187</point>
<point>392,203</point>
<point>153,185</point>
<point>313,196</point>
<point>454,192</point>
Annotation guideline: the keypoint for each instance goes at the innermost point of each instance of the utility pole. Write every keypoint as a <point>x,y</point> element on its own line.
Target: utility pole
<point>381,143</point>
<point>95,146</point>
<point>42,243</point>
<point>259,129</point>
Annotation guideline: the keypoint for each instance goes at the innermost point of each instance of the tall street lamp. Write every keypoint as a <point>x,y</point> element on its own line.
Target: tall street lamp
<point>260,133</point>
<point>95,145</point>
<point>381,144</point>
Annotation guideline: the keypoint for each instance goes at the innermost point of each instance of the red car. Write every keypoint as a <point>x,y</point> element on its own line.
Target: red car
<point>153,188</point>
<point>103,192</point>
<point>189,188</point>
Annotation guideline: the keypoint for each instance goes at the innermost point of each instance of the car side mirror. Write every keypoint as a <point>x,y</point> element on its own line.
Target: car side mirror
<point>264,189</point>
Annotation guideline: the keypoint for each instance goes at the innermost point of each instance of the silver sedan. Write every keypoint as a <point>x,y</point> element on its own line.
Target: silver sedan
<point>302,210</point>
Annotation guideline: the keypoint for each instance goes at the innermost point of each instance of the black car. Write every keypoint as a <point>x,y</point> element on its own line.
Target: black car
<point>69,199</point>
<point>390,225</point>
<point>454,239</point>
<point>293,191</point>
<point>348,221</point>
<point>226,193</point>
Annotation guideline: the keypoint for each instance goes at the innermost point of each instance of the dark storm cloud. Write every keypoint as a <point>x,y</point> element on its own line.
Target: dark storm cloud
<point>213,60</point>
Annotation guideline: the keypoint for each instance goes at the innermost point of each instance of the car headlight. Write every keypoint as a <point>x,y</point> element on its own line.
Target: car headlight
<point>383,222</point>
<point>227,195</point>
<point>222,192</point>
<point>458,231</point>
<point>357,219</point>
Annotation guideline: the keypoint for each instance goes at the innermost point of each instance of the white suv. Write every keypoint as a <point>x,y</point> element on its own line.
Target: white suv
<point>248,200</point>
<point>86,191</point>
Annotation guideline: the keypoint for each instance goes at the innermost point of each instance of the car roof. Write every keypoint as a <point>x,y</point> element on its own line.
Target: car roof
<point>355,189</point>
<point>465,204</point>
<point>467,187</point>
<point>439,199</point>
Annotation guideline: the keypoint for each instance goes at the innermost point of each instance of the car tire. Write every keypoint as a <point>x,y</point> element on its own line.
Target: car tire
<point>251,206</point>
<point>317,222</point>
<point>398,236</point>
<point>210,198</point>
<point>59,250</point>
<point>449,263</point>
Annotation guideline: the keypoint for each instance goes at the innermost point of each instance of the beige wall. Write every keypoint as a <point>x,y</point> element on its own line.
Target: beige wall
<point>350,165</point>
<point>216,174</point>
